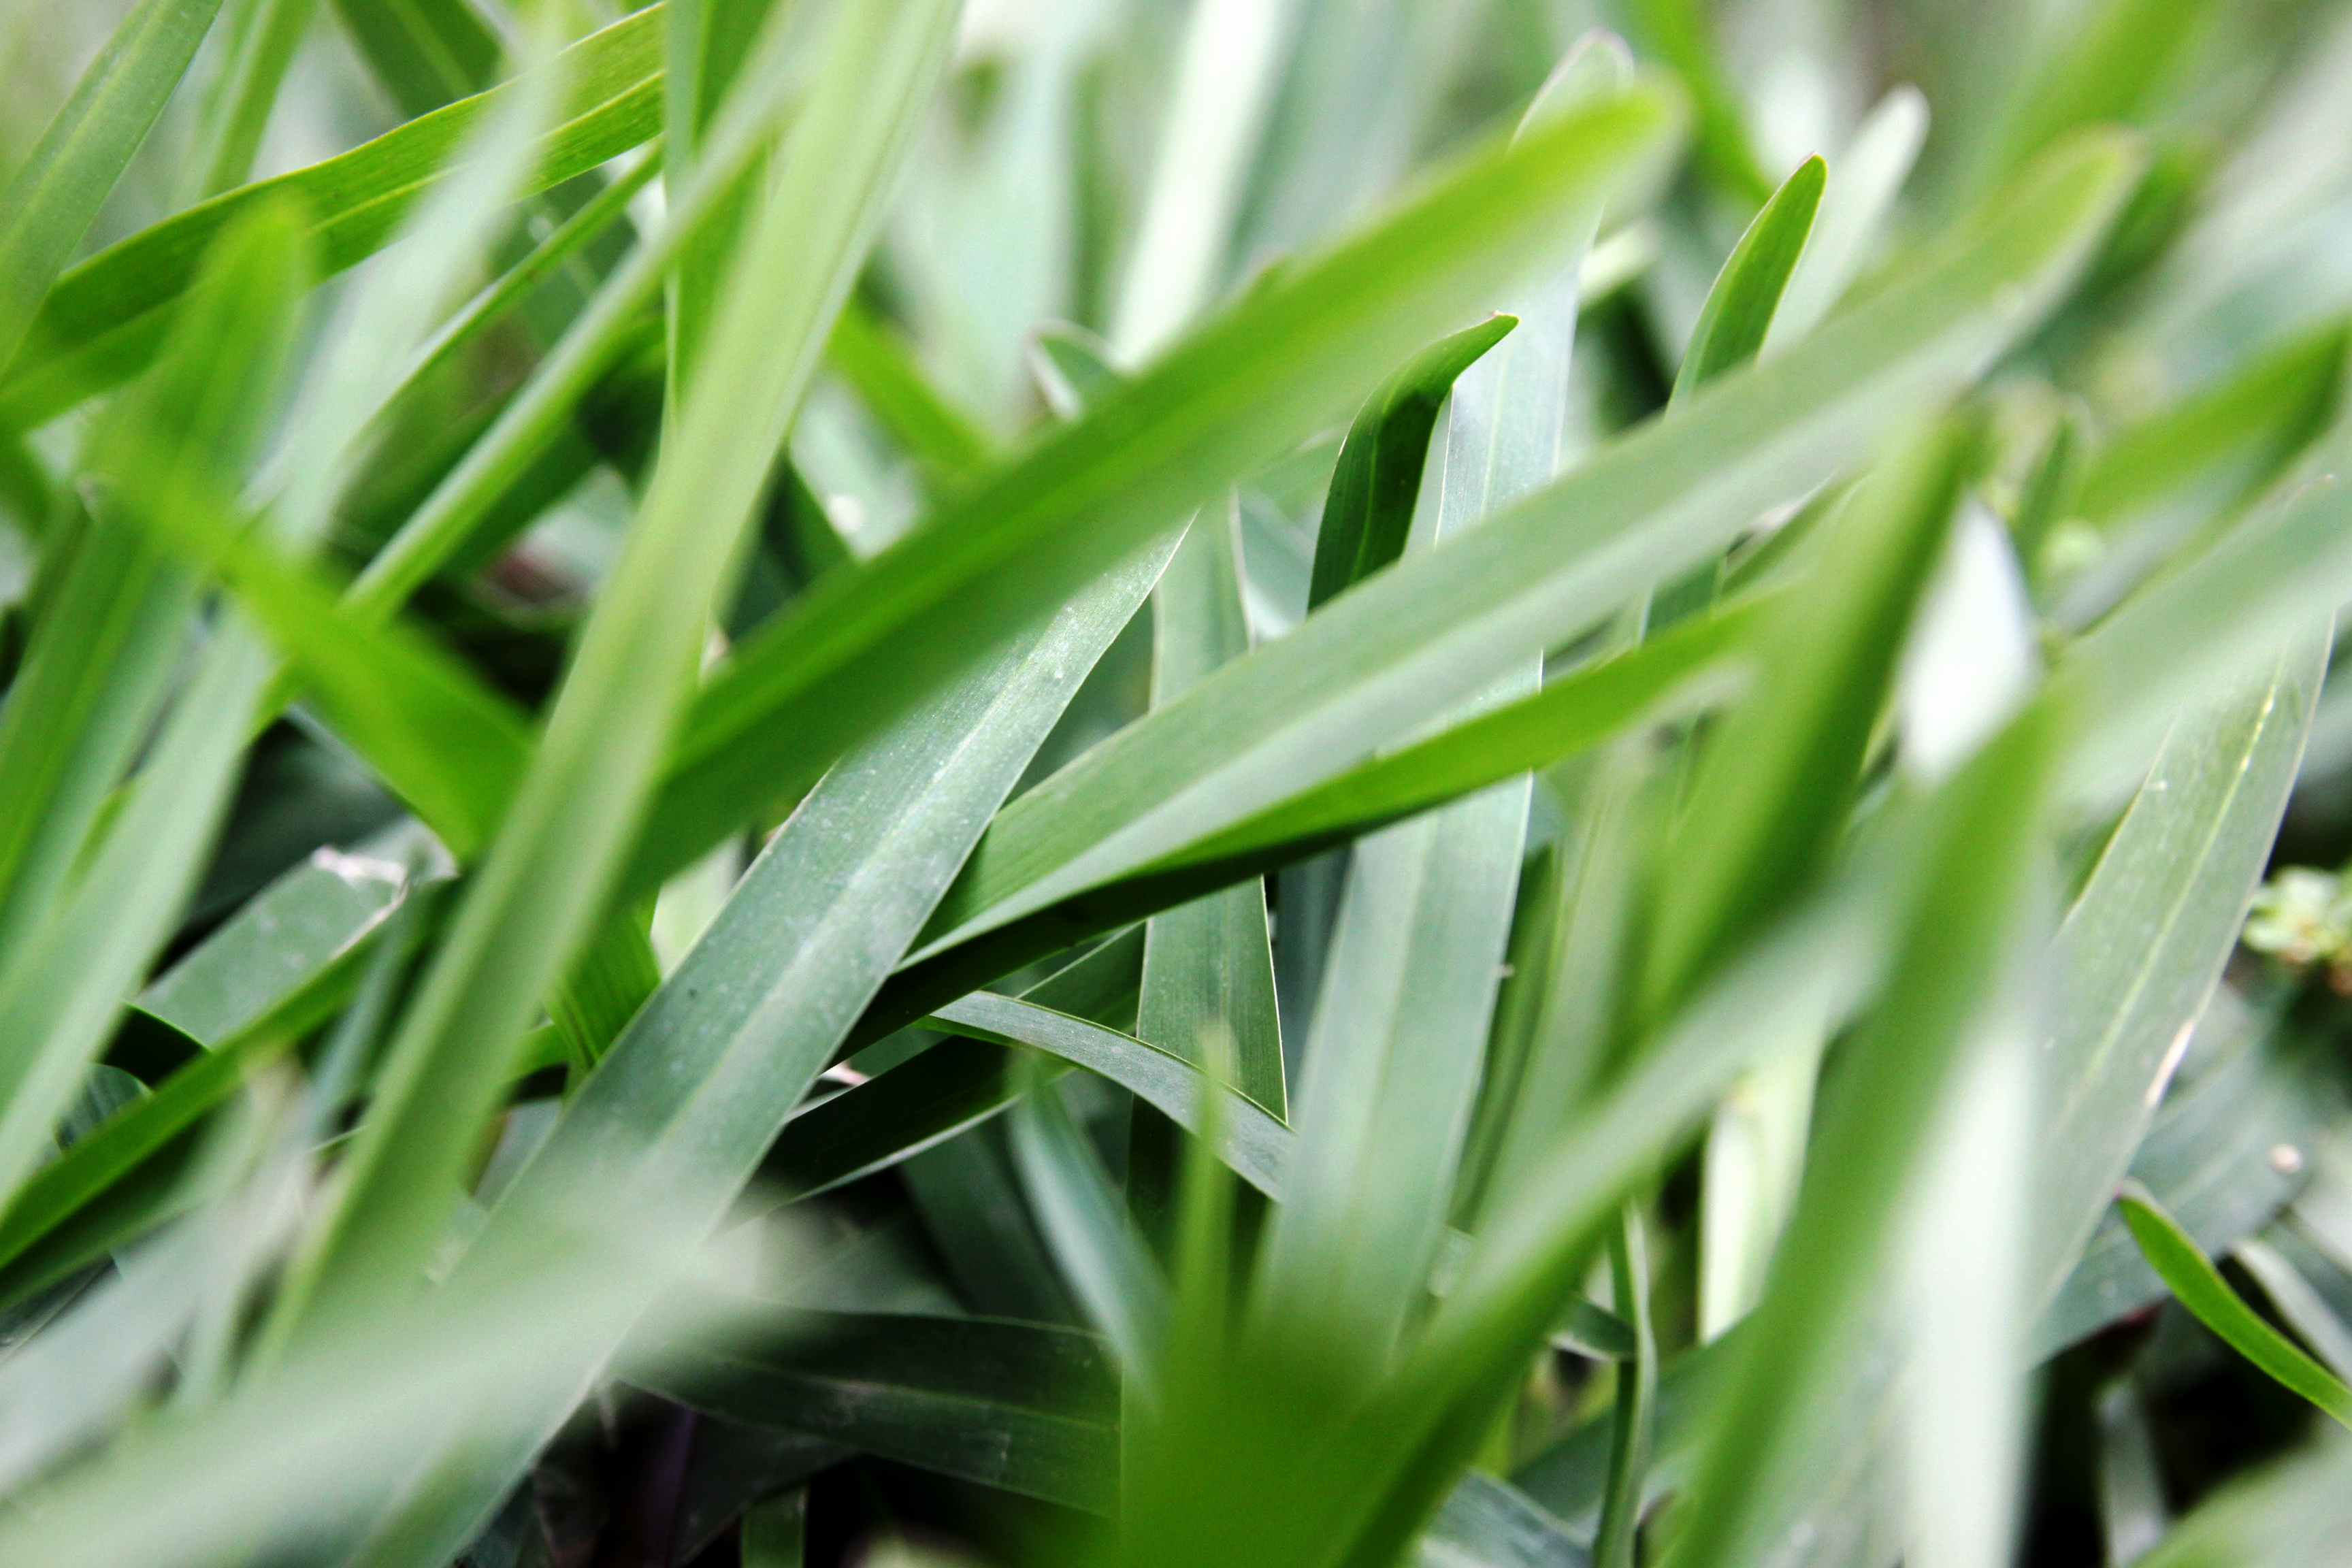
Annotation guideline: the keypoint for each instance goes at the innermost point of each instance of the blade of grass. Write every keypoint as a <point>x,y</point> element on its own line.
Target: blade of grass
<point>1368,510</point>
<point>106,317</point>
<point>550,868</point>
<point>1737,314</point>
<point>2199,1287</point>
<point>1021,1407</point>
<point>63,182</point>
<point>1402,647</point>
<point>1863,186</point>
<point>259,44</point>
<point>1241,391</point>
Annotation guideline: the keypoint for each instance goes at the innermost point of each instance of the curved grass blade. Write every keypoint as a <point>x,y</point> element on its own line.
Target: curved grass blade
<point>2200,1287</point>
<point>262,38</point>
<point>1737,314</point>
<point>106,317</point>
<point>1370,508</point>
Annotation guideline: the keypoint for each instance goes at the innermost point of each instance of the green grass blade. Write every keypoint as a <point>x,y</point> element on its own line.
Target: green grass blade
<point>938,435</point>
<point>2142,948</point>
<point>1251,1139</point>
<point>1679,32</point>
<point>1432,631</point>
<point>49,203</point>
<point>1207,968</point>
<point>696,1087</point>
<point>1241,391</point>
<point>2251,425</point>
<point>550,871</point>
<point>1864,183</point>
<point>262,38</point>
<point>1370,508</point>
<point>1637,1395</point>
<point>427,53</point>
<point>2199,1287</point>
<point>1961,950</point>
<point>1102,1258</point>
<point>1774,785</point>
<point>252,990</point>
<point>1737,314</point>
<point>1021,1407</point>
<point>1689,669</point>
<point>107,316</point>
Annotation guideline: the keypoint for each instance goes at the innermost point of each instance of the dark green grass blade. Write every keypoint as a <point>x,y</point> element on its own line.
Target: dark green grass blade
<point>2200,1287</point>
<point>106,317</point>
<point>1019,1406</point>
<point>1370,508</point>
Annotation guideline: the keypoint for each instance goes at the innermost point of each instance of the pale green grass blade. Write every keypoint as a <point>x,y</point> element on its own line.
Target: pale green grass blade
<point>1225,74</point>
<point>2143,944</point>
<point>2187,641</point>
<point>1240,392</point>
<point>2200,1287</point>
<point>1252,1139</point>
<point>1428,633</point>
<point>49,203</point>
<point>1208,969</point>
<point>1396,1045</point>
<point>1960,950</point>
<point>2289,1512</point>
<point>936,433</point>
<point>1021,1407</point>
<point>106,317</point>
<point>259,41</point>
<point>1863,182</point>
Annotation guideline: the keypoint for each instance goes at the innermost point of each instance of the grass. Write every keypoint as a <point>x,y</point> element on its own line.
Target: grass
<point>1288,784</point>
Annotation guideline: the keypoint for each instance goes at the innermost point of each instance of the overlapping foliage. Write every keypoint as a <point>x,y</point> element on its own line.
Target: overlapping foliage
<point>1308,782</point>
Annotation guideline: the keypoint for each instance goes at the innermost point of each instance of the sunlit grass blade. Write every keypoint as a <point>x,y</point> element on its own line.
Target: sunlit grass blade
<point>1864,179</point>
<point>2199,1287</point>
